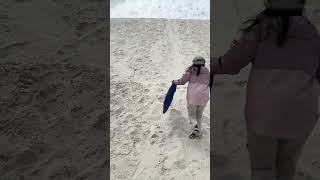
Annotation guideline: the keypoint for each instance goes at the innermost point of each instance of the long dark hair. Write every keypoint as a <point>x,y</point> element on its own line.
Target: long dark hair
<point>193,67</point>
<point>282,19</point>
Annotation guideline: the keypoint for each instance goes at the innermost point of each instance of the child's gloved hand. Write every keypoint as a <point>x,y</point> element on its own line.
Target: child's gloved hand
<point>174,82</point>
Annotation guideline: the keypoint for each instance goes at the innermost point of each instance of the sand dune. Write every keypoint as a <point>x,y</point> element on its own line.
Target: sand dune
<point>146,54</point>
<point>53,95</point>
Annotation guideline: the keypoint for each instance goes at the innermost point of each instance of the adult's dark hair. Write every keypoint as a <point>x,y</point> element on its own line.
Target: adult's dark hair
<point>282,19</point>
<point>190,68</point>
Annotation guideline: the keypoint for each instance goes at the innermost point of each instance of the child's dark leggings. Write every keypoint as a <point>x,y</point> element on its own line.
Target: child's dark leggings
<point>272,158</point>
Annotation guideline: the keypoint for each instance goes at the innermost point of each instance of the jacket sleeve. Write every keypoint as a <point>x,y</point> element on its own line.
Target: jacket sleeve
<point>241,52</point>
<point>184,79</point>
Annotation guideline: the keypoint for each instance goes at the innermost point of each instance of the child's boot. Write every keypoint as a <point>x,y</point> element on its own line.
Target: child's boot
<point>195,133</point>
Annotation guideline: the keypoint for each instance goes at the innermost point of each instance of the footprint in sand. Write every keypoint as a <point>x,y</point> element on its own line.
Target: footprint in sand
<point>141,100</point>
<point>154,136</point>
<point>181,164</point>
<point>146,90</point>
<point>157,136</point>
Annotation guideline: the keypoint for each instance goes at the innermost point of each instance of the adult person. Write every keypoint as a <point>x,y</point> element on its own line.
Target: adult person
<point>282,90</point>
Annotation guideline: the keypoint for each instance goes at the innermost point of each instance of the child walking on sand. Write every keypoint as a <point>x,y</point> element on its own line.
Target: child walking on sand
<point>198,77</point>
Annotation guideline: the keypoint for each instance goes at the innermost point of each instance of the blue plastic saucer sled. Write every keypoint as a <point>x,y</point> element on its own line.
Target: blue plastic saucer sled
<point>169,97</point>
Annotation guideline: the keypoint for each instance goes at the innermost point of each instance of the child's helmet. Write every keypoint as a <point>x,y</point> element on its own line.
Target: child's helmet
<point>284,4</point>
<point>198,60</point>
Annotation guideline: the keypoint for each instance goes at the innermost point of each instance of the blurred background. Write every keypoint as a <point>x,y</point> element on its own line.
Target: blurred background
<point>179,9</point>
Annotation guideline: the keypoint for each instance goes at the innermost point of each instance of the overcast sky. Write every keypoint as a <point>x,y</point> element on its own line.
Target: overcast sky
<point>170,9</point>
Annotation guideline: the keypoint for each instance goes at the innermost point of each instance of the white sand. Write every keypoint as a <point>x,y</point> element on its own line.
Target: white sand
<point>146,54</point>
<point>53,95</point>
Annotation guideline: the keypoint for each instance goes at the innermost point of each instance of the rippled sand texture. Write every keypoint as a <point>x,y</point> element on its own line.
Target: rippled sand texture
<point>53,92</point>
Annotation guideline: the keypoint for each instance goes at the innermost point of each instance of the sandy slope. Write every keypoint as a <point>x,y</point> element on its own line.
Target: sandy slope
<point>146,54</point>
<point>52,117</point>
<point>53,92</point>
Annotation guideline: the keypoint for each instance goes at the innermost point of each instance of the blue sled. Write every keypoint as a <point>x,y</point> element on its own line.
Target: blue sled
<point>169,97</point>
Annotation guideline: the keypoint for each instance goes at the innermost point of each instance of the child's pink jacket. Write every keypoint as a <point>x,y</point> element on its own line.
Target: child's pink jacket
<point>198,87</point>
